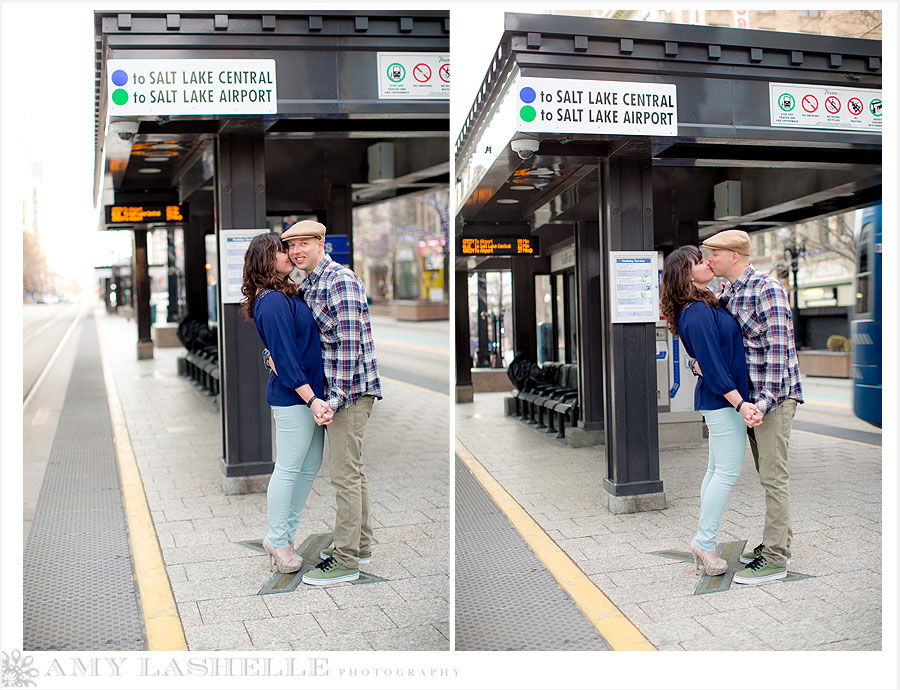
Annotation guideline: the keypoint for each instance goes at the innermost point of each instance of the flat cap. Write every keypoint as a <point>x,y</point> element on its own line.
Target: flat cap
<point>733,240</point>
<point>304,229</point>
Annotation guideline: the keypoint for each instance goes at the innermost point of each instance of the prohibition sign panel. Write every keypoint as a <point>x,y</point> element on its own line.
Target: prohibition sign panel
<point>414,76</point>
<point>825,107</point>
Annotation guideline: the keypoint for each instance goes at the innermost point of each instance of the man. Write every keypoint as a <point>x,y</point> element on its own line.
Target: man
<point>760,305</point>
<point>337,299</point>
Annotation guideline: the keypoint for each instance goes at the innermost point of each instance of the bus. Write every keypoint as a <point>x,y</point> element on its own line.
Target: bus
<point>865,320</point>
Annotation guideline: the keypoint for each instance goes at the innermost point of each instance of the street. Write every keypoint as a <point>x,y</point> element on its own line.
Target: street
<point>414,352</point>
<point>828,411</point>
<point>43,327</point>
<point>49,330</point>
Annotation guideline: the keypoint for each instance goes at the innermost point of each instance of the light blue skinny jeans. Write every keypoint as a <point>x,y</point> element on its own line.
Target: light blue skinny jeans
<point>298,456</point>
<point>727,445</point>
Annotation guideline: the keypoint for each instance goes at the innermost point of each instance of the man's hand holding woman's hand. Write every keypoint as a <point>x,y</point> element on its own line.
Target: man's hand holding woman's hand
<point>322,412</point>
<point>751,414</point>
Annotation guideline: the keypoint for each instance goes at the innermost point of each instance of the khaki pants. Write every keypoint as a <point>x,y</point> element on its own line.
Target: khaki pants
<point>769,445</point>
<point>352,524</point>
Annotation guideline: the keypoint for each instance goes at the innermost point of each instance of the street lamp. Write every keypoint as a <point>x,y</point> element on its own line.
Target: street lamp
<point>794,252</point>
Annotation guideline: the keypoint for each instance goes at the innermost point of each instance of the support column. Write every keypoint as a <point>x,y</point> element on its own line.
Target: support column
<point>483,353</point>
<point>246,418</point>
<point>172,270</point>
<point>464,389</point>
<point>629,350</point>
<point>107,294</point>
<point>339,215</point>
<point>588,278</point>
<point>524,322</point>
<point>196,303</point>
<point>141,291</point>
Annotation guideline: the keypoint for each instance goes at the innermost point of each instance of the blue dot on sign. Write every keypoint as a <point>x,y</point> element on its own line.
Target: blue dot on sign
<point>120,77</point>
<point>527,94</point>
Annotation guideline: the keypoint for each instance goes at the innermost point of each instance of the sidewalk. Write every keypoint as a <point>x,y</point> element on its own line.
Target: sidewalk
<point>836,522</point>
<point>175,432</point>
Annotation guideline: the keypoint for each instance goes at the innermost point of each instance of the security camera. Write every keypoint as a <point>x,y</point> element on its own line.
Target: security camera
<point>525,147</point>
<point>125,129</point>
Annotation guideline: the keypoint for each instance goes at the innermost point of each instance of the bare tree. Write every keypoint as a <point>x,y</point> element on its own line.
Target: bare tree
<point>835,235</point>
<point>34,265</point>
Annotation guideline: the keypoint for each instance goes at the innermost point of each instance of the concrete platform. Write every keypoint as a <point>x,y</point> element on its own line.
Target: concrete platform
<point>216,580</point>
<point>836,522</point>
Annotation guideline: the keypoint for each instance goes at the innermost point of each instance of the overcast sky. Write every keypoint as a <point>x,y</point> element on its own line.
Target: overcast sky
<point>48,116</point>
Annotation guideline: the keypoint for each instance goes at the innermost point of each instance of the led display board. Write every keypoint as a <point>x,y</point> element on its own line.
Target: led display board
<point>146,213</point>
<point>499,245</point>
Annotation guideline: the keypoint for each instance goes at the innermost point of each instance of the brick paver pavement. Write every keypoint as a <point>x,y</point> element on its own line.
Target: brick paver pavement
<point>176,434</point>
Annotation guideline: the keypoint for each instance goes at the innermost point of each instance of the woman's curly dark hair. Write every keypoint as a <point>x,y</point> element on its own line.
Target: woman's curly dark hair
<point>676,291</point>
<point>260,273</point>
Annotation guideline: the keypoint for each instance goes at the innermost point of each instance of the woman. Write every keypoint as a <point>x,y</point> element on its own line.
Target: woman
<point>287,329</point>
<point>712,336</point>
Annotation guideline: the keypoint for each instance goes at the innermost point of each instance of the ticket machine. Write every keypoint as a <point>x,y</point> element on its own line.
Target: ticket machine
<point>679,424</point>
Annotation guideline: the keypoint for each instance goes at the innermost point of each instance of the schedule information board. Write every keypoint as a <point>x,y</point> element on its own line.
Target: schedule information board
<point>634,287</point>
<point>233,246</point>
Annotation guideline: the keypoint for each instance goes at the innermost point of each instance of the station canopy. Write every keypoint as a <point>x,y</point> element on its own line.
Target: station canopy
<point>791,121</point>
<point>310,82</point>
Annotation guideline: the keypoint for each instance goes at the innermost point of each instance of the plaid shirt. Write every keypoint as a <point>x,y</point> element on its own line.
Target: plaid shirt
<point>337,298</point>
<point>760,305</point>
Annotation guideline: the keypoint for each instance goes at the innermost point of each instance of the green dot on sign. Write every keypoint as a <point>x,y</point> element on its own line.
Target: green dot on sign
<point>120,97</point>
<point>527,113</point>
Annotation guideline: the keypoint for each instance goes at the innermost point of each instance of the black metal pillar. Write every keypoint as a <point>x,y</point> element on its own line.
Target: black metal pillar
<point>483,354</point>
<point>246,419</point>
<point>196,303</point>
<point>464,391</point>
<point>339,215</point>
<point>524,322</point>
<point>172,269</point>
<point>795,252</point>
<point>107,294</point>
<point>629,350</point>
<point>588,278</point>
<point>141,291</point>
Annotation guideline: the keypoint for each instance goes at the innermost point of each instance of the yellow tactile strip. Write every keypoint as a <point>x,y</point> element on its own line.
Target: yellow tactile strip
<point>161,620</point>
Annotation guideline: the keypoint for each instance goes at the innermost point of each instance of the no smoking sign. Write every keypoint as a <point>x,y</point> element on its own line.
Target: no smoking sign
<point>422,73</point>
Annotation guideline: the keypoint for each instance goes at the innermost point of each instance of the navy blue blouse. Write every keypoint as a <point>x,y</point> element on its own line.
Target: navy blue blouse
<point>288,330</point>
<point>713,338</point>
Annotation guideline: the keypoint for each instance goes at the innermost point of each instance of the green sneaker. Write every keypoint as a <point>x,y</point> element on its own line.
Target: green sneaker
<point>759,571</point>
<point>328,572</point>
<point>328,553</point>
<point>749,556</point>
